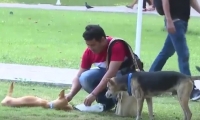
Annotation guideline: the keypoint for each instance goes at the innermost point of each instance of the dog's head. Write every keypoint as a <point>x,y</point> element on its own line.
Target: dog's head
<point>61,103</point>
<point>113,88</point>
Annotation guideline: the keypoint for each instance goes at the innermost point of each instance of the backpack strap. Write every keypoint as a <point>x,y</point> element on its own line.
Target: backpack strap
<point>129,48</point>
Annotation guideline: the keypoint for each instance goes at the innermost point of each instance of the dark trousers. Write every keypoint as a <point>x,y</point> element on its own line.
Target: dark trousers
<point>144,3</point>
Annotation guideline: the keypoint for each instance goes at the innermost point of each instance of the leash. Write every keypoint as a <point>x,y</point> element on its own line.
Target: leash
<point>129,83</point>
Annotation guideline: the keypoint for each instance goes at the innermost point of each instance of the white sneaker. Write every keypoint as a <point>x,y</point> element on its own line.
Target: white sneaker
<point>92,108</point>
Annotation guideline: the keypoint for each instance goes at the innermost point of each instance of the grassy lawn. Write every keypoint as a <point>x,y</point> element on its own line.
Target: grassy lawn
<point>72,2</point>
<point>54,38</point>
<point>165,108</point>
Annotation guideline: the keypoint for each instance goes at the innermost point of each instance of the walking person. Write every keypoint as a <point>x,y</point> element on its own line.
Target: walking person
<point>150,2</point>
<point>177,15</point>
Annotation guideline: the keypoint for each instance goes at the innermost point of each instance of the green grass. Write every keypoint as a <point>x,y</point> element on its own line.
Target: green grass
<point>165,107</point>
<point>72,2</point>
<point>54,38</point>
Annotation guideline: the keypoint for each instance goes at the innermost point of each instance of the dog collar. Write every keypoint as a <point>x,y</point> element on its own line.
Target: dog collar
<point>129,84</point>
<point>51,105</point>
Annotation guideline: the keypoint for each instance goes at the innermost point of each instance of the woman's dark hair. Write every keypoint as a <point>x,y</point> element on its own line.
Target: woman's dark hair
<point>93,32</point>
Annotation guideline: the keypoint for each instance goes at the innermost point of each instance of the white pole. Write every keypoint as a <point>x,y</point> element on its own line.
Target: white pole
<point>138,28</point>
<point>58,2</point>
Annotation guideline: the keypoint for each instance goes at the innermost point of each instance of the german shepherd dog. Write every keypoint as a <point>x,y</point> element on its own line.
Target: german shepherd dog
<point>145,85</point>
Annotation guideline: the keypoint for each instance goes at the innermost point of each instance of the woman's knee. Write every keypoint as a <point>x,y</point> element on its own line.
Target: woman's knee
<point>183,52</point>
<point>167,54</point>
<point>184,56</point>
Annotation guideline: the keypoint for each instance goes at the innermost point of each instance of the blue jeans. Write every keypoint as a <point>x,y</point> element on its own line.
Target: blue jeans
<point>174,42</point>
<point>89,81</point>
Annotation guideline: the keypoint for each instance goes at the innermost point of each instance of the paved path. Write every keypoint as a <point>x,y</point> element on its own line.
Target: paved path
<point>37,74</point>
<point>121,9</point>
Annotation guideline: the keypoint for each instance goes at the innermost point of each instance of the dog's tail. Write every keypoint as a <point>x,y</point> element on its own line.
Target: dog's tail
<point>195,78</point>
<point>10,90</point>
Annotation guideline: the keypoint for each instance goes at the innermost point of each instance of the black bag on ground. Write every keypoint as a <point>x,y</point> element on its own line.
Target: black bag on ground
<point>159,7</point>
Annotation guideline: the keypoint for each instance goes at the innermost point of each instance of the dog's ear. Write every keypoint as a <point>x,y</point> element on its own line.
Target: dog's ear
<point>62,94</point>
<point>10,90</point>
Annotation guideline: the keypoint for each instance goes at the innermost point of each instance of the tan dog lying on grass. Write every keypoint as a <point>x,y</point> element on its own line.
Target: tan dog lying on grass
<point>31,101</point>
<point>145,85</point>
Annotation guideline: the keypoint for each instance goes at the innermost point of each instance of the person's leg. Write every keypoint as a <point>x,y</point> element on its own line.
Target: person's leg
<point>132,4</point>
<point>166,52</point>
<point>144,5</point>
<point>151,5</point>
<point>180,45</point>
<point>149,2</point>
<point>89,80</point>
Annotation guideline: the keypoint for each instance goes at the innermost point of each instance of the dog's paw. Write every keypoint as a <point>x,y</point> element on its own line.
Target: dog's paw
<point>198,68</point>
